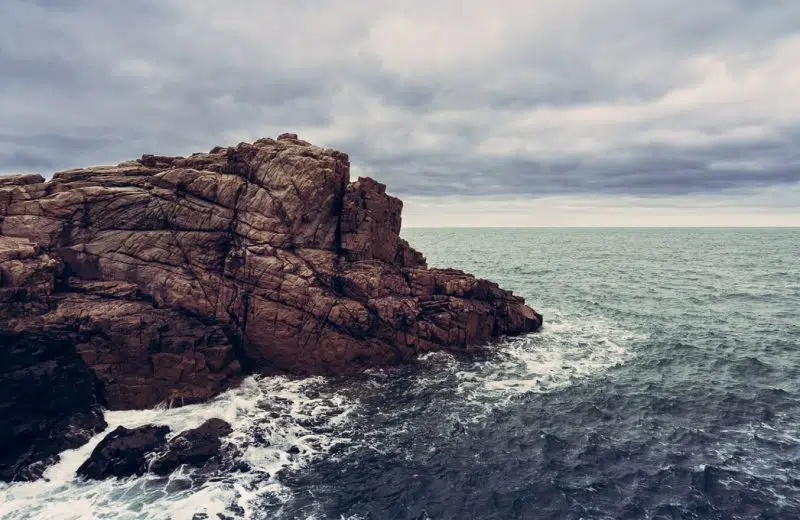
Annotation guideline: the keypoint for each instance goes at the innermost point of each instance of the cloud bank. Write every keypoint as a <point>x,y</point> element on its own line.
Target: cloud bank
<point>653,104</point>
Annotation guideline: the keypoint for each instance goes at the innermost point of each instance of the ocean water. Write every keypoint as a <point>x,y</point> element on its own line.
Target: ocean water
<point>665,384</point>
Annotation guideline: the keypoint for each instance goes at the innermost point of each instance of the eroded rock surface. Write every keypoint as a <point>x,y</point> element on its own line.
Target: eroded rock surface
<point>168,278</point>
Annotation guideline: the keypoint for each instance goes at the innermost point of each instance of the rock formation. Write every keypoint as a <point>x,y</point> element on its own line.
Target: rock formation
<point>168,278</point>
<point>200,447</point>
<point>124,452</point>
<point>127,452</point>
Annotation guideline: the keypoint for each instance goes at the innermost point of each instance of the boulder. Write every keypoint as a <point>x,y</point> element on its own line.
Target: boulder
<point>128,452</point>
<point>199,447</point>
<point>124,452</point>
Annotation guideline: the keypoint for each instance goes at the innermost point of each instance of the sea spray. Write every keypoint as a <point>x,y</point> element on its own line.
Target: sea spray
<point>275,422</point>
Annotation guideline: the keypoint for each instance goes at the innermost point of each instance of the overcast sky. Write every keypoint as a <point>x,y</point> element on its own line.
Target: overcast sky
<point>536,112</point>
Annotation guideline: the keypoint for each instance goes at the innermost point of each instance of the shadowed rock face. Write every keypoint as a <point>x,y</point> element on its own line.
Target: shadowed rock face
<point>48,404</point>
<point>171,277</point>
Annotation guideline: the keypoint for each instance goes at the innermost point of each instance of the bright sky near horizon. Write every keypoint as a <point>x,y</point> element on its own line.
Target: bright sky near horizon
<point>517,113</point>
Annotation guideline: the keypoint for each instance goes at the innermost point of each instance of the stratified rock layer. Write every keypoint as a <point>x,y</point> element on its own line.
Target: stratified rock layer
<point>168,278</point>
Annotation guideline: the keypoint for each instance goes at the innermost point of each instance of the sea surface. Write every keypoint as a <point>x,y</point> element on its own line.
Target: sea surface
<point>665,384</point>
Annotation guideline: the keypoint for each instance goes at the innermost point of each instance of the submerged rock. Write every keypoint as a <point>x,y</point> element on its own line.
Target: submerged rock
<point>169,278</point>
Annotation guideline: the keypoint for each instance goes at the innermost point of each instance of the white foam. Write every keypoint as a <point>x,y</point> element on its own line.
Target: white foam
<point>272,415</point>
<point>274,410</point>
<point>563,351</point>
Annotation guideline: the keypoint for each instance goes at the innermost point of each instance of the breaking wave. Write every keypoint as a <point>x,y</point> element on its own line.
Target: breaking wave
<point>281,425</point>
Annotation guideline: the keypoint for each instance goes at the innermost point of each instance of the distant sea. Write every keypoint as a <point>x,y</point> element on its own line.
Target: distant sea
<point>665,384</point>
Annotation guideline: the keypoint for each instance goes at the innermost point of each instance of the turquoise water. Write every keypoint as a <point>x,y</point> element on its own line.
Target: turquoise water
<point>665,383</point>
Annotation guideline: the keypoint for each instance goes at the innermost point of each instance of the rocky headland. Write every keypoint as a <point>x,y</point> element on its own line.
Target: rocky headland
<point>168,279</point>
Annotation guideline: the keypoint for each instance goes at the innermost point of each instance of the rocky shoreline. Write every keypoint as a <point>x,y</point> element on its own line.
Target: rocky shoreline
<point>168,279</point>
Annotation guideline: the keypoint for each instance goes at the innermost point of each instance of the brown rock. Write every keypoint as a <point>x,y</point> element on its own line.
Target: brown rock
<point>172,276</point>
<point>21,179</point>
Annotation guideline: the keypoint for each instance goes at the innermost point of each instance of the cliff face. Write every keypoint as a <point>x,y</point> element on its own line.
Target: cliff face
<point>168,278</point>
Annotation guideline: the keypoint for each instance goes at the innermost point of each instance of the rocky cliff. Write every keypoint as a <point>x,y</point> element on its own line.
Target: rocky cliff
<point>168,278</point>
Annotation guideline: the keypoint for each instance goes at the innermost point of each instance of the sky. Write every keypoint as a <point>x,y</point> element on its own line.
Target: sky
<point>514,113</point>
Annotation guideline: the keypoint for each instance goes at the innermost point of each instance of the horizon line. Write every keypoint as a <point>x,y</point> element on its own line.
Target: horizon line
<point>602,227</point>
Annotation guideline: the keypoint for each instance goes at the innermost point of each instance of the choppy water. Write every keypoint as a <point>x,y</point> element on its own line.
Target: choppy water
<point>665,384</point>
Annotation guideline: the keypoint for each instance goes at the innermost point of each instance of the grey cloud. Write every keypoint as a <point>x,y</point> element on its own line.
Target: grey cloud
<point>559,101</point>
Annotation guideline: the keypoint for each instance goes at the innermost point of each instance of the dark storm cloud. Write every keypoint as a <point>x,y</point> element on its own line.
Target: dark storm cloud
<point>449,98</point>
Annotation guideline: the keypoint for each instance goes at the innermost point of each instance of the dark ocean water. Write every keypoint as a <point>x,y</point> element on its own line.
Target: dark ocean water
<point>665,384</point>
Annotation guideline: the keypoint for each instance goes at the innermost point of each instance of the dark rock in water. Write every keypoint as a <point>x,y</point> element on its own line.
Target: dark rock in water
<point>26,458</point>
<point>124,452</point>
<point>168,278</point>
<point>47,403</point>
<point>195,447</point>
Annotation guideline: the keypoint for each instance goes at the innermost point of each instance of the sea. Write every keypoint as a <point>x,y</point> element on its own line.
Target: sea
<point>665,384</point>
